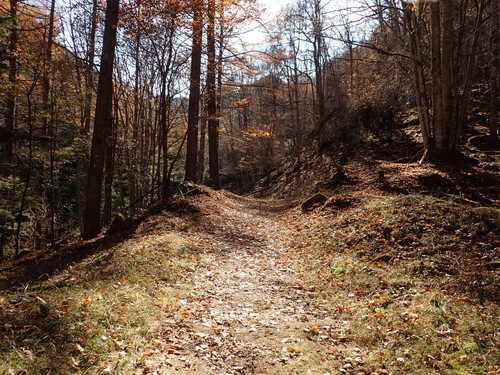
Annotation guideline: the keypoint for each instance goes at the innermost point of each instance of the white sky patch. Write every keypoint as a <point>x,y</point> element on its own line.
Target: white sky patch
<point>272,10</point>
<point>273,6</point>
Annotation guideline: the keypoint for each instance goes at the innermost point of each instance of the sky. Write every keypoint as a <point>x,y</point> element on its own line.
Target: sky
<point>273,6</point>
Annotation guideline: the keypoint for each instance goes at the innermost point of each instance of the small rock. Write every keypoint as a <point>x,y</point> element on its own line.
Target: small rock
<point>313,201</point>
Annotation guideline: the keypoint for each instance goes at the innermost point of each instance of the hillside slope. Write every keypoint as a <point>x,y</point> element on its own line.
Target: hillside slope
<point>220,283</point>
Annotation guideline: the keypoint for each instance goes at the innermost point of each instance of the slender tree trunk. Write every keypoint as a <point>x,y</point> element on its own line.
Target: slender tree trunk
<point>463,99</point>
<point>201,148</point>
<point>411,26</point>
<point>220,67</point>
<point>48,123</point>
<point>447,43</point>
<point>494,72</point>
<point>194,93</point>
<point>165,112</point>
<point>10,103</point>
<point>134,179</point>
<point>296,101</point>
<point>213,123</point>
<point>52,174</point>
<point>102,124</point>
<point>9,116</point>
<point>87,113</point>
<point>109,173</point>
<point>27,183</point>
<point>164,104</point>
<point>89,69</point>
<point>318,51</point>
<point>108,185</point>
<point>437,98</point>
<point>164,135</point>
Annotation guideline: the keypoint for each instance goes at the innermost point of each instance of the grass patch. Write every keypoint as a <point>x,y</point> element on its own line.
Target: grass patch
<point>101,315</point>
<point>413,277</point>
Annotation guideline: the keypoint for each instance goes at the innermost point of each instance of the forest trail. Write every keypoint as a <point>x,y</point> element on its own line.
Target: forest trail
<point>248,311</point>
<point>222,284</point>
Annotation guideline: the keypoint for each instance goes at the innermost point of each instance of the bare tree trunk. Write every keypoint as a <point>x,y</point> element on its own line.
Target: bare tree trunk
<point>89,69</point>
<point>463,100</point>
<point>201,148</point>
<point>213,123</point>
<point>164,112</point>
<point>10,103</point>
<point>87,115</point>
<point>102,124</point>
<point>134,174</point>
<point>495,52</point>
<point>27,184</point>
<point>318,45</point>
<point>447,43</point>
<point>48,121</point>
<point>164,103</point>
<point>419,78</point>
<point>437,98</point>
<point>296,105</point>
<point>109,173</point>
<point>10,115</point>
<point>194,93</point>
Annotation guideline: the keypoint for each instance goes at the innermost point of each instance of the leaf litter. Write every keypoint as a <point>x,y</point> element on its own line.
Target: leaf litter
<point>248,310</point>
<point>237,285</point>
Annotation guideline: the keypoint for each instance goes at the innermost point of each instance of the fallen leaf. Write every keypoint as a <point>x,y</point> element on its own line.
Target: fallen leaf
<point>146,355</point>
<point>294,351</point>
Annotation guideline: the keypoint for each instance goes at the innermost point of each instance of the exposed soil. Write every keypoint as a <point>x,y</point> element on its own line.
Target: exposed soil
<point>248,310</point>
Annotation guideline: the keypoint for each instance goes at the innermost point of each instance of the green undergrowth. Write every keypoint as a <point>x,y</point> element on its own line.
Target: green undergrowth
<point>101,315</point>
<point>414,277</point>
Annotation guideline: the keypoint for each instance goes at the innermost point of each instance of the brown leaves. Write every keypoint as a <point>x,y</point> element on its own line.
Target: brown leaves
<point>294,351</point>
<point>86,301</point>
<point>146,355</point>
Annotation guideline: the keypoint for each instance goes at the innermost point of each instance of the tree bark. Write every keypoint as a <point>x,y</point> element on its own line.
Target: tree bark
<point>87,115</point>
<point>108,178</point>
<point>165,103</point>
<point>495,52</point>
<point>447,42</point>
<point>194,94</point>
<point>411,25</point>
<point>318,45</point>
<point>213,123</point>
<point>201,147</point>
<point>10,103</point>
<point>9,116</point>
<point>48,122</point>
<point>463,98</point>
<point>102,124</point>
<point>89,69</point>
<point>437,98</point>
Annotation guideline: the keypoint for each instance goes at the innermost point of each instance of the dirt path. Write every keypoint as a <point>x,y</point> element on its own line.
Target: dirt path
<point>248,310</point>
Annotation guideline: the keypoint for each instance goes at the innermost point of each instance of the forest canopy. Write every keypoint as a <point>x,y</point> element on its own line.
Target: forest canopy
<point>106,106</point>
